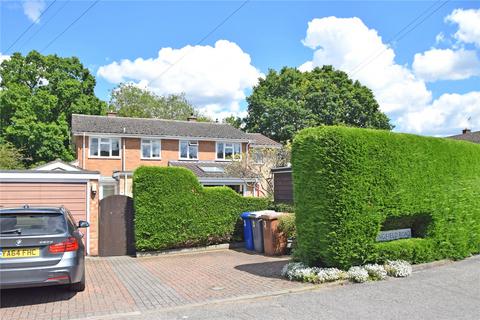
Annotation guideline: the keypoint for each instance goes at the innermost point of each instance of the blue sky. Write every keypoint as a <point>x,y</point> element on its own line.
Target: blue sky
<point>427,82</point>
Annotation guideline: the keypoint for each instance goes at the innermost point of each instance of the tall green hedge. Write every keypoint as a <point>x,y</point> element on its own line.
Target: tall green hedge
<point>173,210</point>
<point>351,183</point>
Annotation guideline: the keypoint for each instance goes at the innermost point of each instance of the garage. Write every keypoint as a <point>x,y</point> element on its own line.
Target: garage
<point>70,195</point>
<point>55,184</point>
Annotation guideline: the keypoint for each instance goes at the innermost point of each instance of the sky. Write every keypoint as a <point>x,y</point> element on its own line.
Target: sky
<point>421,59</point>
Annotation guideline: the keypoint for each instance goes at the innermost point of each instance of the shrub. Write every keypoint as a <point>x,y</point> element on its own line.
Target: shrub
<point>376,271</point>
<point>330,275</point>
<point>357,274</point>
<point>286,224</point>
<point>173,210</point>
<point>398,268</point>
<point>298,271</point>
<point>301,272</point>
<point>350,183</point>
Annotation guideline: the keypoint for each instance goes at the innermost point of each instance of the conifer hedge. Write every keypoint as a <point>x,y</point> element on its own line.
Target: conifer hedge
<point>173,210</point>
<point>350,183</point>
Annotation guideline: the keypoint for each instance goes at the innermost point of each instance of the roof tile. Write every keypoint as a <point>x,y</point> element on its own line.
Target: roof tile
<point>154,127</point>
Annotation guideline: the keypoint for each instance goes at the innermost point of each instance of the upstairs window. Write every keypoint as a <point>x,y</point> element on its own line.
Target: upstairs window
<point>104,147</point>
<point>188,150</point>
<point>151,149</point>
<point>257,156</point>
<point>228,151</point>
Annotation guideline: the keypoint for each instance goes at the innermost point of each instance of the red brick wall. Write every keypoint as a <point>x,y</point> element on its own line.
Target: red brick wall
<point>170,152</point>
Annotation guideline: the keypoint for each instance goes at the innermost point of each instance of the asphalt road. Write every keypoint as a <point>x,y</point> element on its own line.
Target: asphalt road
<point>449,291</point>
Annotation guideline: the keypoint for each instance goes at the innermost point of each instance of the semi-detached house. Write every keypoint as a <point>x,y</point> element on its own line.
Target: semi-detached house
<point>116,146</point>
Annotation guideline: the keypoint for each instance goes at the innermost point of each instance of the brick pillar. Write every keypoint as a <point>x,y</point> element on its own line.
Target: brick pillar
<point>94,208</point>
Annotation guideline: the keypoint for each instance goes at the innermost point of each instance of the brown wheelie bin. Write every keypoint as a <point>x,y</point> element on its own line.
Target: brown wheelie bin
<point>274,241</point>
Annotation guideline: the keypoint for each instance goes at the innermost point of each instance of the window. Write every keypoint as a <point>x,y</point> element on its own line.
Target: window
<point>188,149</point>
<point>227,151</point>
<point>212,169</point>
<point>257,156</point>
<point>32,224</point>
<point>104,147</point>
<point>150,149</point>
<point>107,190</point>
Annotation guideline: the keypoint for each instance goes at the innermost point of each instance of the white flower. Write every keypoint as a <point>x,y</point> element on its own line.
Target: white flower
<point>301,272</point>
<point>376,271</point>
<point>296,271</point>
<point>357,274</point>
<point>398,268</point>
<point>330,274</point>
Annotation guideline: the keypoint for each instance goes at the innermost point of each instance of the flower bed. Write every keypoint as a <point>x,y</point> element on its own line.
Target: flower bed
<point>297,271</point>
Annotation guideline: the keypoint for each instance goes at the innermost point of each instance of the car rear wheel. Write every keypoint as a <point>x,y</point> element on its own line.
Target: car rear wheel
<point>78,286</point>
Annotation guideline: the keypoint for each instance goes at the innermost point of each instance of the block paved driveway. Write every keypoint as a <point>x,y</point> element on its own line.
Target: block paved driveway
<point>124,285</point>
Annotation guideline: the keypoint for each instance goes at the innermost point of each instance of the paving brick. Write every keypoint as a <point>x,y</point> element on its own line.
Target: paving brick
<point>124,284</point>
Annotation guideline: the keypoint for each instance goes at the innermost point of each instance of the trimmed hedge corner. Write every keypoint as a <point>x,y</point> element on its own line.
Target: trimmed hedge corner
<point>351,183</point>
<point>173,210</point>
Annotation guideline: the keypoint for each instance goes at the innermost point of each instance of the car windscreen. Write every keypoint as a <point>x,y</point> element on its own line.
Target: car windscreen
<point>30,224</point>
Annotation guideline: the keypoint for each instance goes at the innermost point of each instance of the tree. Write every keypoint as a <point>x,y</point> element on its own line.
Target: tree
<point>234,121</point>
<point>10,157</point>
<point>38,95</point>
<point>286,102</point>
<point>258,164</point>
<point>131,101</point>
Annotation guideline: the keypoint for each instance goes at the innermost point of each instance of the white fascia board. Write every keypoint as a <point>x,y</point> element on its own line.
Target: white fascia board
<point>118,174</point>
<point>47,177</point>
<point>57,165</point>
<point>107,180</point>
<point>265,146</point>
<point>166,137</point>
<point>224,180</point>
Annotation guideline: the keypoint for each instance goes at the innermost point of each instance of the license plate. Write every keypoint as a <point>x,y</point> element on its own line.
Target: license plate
<point>19,253</point>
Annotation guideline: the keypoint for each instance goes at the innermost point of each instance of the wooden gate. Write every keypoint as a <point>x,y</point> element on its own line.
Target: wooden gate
<point>116,234</point>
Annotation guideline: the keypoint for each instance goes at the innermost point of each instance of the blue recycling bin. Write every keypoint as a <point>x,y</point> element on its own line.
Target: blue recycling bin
<point>247,231</point>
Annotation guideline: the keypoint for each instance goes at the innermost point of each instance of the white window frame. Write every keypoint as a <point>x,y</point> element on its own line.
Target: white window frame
<point>99,138</point>
<point>101,195</point>
<point>189,143</point>
<point>225,147</point>
<point>256,152</point>
<point>150,144</point>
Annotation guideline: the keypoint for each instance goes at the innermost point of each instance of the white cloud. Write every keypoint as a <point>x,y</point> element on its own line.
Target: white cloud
<point>349,45</point>
<point>468,25</point>
<point>446,64</point>
<point>440,38</point>
<point>446,115</point>
<point>4,57</point>
<point>213,78</point>
<point>33,9</point>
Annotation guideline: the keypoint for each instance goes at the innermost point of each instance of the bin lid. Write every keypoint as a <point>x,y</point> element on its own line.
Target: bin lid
<point>258,214</point>
<point>245,215</point>
<point>272,215</point>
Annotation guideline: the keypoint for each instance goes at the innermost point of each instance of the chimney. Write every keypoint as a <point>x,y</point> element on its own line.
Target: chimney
<point>192,118</point>
<point>111,113</point>
<point>466,130</point>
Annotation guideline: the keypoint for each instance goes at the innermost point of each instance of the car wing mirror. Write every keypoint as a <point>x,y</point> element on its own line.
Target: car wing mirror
<point>83,224</point>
